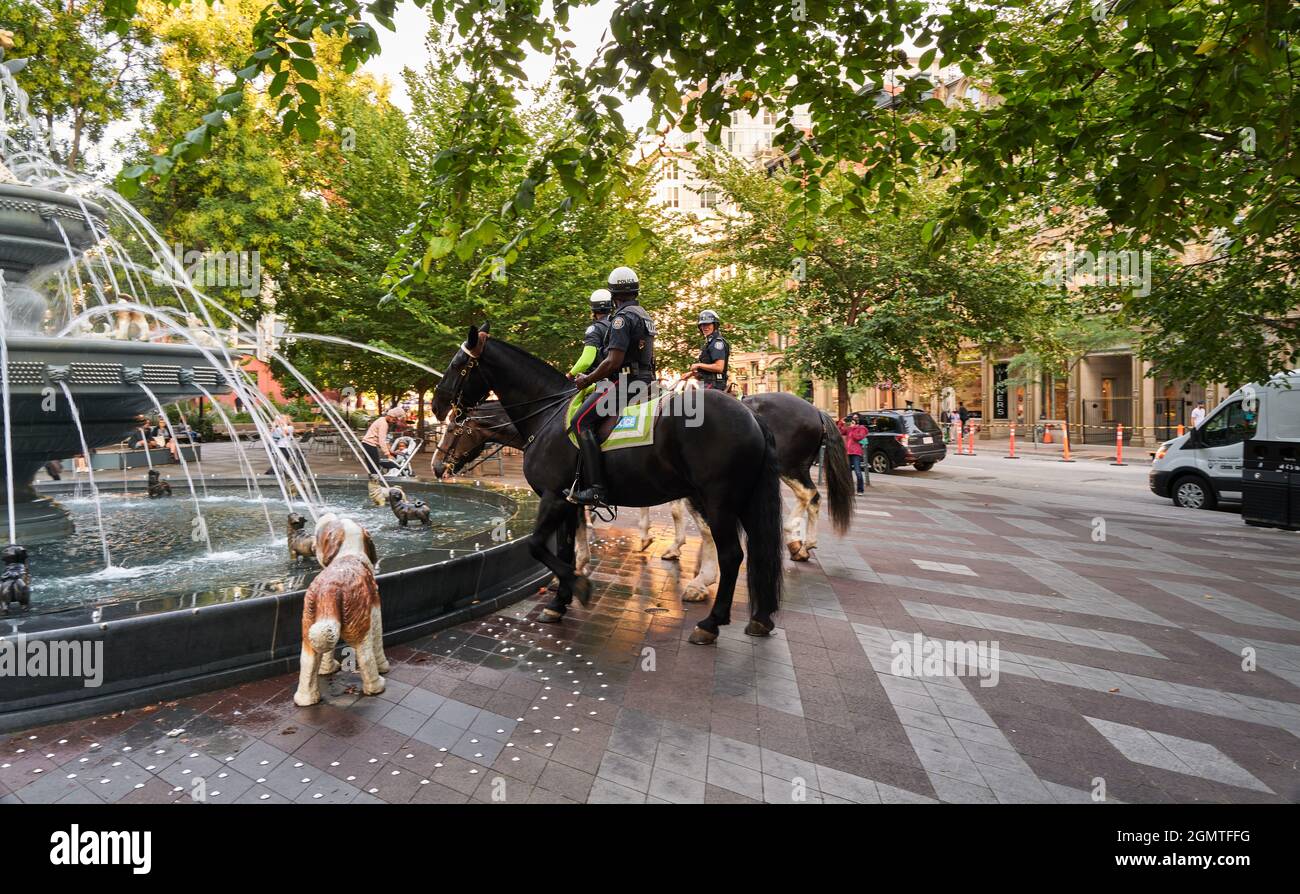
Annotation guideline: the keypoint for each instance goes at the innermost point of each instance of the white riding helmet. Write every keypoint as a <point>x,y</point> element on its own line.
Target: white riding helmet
<point>624,281</point>
<point>601,301</point>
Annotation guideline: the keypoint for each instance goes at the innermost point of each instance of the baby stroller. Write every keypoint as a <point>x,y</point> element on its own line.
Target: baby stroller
<point>404,450</point>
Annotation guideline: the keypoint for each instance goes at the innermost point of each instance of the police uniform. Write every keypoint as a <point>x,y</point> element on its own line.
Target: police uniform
<point>715,349</point>
<point>596,336</point>
<point>633,332</point>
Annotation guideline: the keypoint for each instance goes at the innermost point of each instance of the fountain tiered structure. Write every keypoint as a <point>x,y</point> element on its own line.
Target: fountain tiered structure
<point>100,323</point>
<point>43,230</point>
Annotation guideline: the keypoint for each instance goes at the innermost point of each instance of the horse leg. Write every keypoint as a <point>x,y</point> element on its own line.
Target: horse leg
<point>553,513</point>
<point>679,530</point>
<point>727,538</point>
<point>793,536</point>
<point>804,515</point>
<point>698,588</point>
<point>812,509</point>
<point>581,546</point>
<point>646,539</point>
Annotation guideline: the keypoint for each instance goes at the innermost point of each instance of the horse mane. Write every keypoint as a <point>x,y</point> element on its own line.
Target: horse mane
<point>534,364</point>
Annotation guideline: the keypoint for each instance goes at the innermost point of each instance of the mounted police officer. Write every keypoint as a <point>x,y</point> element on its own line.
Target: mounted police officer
<point>626,375</point>
<point>715,355</point>
<point>593,340</point>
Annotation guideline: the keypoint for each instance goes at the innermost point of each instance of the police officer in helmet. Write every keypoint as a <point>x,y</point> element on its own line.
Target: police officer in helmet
<point>626,373</point>
<point>715,355</point>
<point>593,340</point>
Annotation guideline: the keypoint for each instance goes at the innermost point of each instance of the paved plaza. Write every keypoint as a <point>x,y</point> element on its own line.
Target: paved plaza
<point>1123,627</point>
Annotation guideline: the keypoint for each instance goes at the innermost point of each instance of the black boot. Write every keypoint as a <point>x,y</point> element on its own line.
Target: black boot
<point>593,471</point>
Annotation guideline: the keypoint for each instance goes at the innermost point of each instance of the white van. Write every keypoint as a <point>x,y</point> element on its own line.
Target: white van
<point>1204,465</point>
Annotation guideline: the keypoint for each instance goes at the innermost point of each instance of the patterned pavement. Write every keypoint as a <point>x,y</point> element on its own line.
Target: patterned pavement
<point>1118,675</point>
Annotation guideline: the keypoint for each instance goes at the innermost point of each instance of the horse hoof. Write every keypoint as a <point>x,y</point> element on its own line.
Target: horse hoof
<point>550,616</point>
<point>802,556</point>
<point>645,543</point>
<point>695,594</point>
<point>671,555</point>
<point>553,586</point>
<point>757,628</point>
<point>582,589</point>
<point>701,637</point>
<point>794,546</point>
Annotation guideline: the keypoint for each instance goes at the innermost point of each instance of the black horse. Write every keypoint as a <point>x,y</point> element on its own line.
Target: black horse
<point>800,429</point>
<point>721,457</point>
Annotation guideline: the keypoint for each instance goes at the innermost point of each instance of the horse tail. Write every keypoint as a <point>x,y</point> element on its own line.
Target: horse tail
<point>761,518</point>
<point>839,483</point>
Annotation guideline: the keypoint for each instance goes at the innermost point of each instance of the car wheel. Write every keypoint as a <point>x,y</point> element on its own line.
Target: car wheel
<point>1191,492</point>
<point>880,463</point>
<point>925,466</point>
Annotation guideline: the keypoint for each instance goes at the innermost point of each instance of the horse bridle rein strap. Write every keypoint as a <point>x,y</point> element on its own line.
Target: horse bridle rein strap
<point>471,363</point>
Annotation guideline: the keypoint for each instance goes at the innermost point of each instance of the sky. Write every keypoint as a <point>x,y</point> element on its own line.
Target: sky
<point>405,49</point>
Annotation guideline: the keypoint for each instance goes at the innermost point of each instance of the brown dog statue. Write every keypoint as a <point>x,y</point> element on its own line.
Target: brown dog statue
<point>342,603</point>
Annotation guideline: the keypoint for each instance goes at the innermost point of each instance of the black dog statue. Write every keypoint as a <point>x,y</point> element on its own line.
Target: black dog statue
<point>158,487</point>
<point>15,579</point>
<point>301,544</point>
<point>407,510</point>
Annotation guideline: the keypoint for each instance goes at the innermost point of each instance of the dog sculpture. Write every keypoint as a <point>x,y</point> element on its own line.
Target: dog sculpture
<point>342,603</point>
<point>378,491</point>
<point>158,487</point>
<point>15,579</point>
<point>301,544</point>
<point>407,510</point>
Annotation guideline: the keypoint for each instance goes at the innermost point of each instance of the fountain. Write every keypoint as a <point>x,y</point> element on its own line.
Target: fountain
<point>39,228</point>
<point>100,323</point>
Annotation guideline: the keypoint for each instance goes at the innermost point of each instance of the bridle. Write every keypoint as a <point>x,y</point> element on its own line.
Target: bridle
<point>460,414</point>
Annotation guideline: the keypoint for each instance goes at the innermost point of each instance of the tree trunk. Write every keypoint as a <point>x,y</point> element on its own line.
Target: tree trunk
<point>842,392</point>
<point>419,420</point>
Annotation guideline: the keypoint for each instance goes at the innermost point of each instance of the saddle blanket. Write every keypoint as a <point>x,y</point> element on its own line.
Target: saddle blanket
<point>635,428</point>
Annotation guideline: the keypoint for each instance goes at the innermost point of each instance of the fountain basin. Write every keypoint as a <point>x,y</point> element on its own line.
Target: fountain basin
<point>104,377</point>
<point>153,647</point>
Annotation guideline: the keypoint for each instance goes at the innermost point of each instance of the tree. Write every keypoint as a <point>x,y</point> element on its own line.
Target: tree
<point>79,76</point>
<point>865,300</point>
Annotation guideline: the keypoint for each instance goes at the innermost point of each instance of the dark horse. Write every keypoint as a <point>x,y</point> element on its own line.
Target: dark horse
<point>721,457</point>
<point>800,430</point>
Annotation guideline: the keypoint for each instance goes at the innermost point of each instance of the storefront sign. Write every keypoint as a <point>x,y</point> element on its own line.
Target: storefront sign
<point>999,391</point>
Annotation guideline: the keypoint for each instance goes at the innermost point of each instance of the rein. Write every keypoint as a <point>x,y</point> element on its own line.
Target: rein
<point>461,417</point>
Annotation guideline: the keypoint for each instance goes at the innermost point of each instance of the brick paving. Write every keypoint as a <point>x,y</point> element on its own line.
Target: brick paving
<point>1119,672</point>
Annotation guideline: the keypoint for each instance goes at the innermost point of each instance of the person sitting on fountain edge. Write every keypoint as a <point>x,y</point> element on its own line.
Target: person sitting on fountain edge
<point>715,355</point>
<point>593,340</point>
<point>629,355</point>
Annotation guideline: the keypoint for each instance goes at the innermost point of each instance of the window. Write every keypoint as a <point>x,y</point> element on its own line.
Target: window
<point>1107,400</point>
<point>671,170</point>
<point>769,119</point>
<point>1231,425</point>
<point>708,198</point>
<point>674,197</point>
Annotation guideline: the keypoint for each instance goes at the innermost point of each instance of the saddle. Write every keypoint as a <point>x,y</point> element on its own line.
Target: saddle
<point>634,428</point>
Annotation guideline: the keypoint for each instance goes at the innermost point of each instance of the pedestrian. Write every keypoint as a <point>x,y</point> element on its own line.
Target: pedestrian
<point>854,433</point>
<point>1198,414</point>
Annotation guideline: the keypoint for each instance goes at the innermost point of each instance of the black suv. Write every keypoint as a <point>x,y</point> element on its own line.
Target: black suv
<point>902,438</point>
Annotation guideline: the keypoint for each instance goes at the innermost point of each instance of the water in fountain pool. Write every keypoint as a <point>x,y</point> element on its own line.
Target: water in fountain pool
<point>156,554</point>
